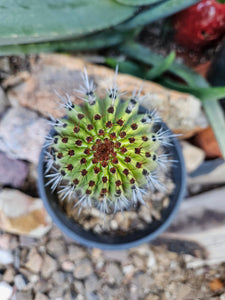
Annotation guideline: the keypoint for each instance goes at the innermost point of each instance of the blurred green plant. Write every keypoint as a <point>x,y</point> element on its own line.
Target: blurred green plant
<point>30,26</point>
<point>138,60</point>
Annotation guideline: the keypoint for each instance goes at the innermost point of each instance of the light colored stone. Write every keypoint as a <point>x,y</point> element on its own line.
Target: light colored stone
<point>56,293</point>
<point>182,290</point>
<point>56,248</point>
<point>49,266</point>
<point>40,296</point>
<point>20,282</point>
<point>83,269</point>
<point>6,290</point>
<point>142,250</point>
<point>143,283</point>
<point>34,261</point>
<point>80,297</point>
<point>182,112</point>
<point>27,241</point>
<point>58,278</point>
<point>78,286</point>
<point>22,134</point>
<point>210,173</point>
<point>13,171</point>
<point>24,295</point>
<point>197,208</point>
<point>193,156</point>
<point>91,296</point>
<point>96,253</point>
<point>206,229</point>
<point>14,79</point>
<point>151,261</point>
<point>91,283</point>
<point>67,266</point>
<point>222,297</point>
<point>129,269</point>
<point>5,257</point>
<point>67,296</point>
<point>152,297</point>
<point>22,214</point>
<point>139,262</point>
<point>120,256</point>
<point>76,253</point>
<point>9,275</point>
<point>43,286</point>
<point>114,273</point>
<point>5,240</point>
<point>55,232</point>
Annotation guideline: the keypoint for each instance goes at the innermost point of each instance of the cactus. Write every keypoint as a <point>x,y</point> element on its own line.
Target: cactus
<point>105,154</point>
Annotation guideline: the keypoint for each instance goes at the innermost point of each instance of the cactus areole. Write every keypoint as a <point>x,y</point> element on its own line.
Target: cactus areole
<point>105,154</point>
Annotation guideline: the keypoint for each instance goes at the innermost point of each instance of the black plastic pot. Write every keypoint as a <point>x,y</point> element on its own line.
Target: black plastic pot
<point>106,241</point>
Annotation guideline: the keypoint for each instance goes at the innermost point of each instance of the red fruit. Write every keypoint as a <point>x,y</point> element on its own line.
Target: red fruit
<point>200,24</point>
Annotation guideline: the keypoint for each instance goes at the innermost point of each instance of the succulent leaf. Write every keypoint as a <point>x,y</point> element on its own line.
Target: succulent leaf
<point>30,21</point>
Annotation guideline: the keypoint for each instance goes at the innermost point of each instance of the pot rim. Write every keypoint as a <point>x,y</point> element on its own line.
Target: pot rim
<point>86,238</point>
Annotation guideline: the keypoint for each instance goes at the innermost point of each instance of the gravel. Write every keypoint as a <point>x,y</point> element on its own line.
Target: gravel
<point>145,272</point>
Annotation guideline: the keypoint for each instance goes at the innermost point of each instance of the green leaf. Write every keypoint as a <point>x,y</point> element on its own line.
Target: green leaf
<point>216,118</point>
<point>145,55</point>
<point>204,94</point>
<point>158,70</point>
<point>162,10</point>
<point>139,2</point>
<point>213,110</point>
<point>212,93</point>
<point>197,86</point>
<point>126,67</point>
<point>97,41</point>
<point>31,21</point>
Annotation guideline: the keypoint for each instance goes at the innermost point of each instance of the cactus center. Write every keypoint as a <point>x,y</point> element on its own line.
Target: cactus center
<point>104,150</point>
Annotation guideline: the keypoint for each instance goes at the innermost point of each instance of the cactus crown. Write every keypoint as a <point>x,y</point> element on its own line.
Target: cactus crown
<point>104,153</point>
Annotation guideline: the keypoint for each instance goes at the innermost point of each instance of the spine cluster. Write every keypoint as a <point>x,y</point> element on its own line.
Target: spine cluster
<point>104,153</point>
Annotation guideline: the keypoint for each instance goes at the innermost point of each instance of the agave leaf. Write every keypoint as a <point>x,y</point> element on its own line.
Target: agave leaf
<point>127,67</point>
<point>159,69</point>
<point>209,97</point>
<point>216,118</point>
<point>204,94</point>
<point>97,41</point>
<point>31,21</point>
<point>139,2</point>
<point>164,9</point>
<point>197,86</point>
<point>132,68</point>
<point>145,55</point>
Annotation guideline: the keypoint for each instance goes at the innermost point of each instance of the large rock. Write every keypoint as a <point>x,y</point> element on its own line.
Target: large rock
<point>22,214</point>
<point>207,141</point>
<point>22,133</point>
<point>182,112</point>
<point>211,172</point>
<point>10,168</point>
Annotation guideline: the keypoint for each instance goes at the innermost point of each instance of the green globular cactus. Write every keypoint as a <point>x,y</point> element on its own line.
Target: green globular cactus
<point>105,154</point>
